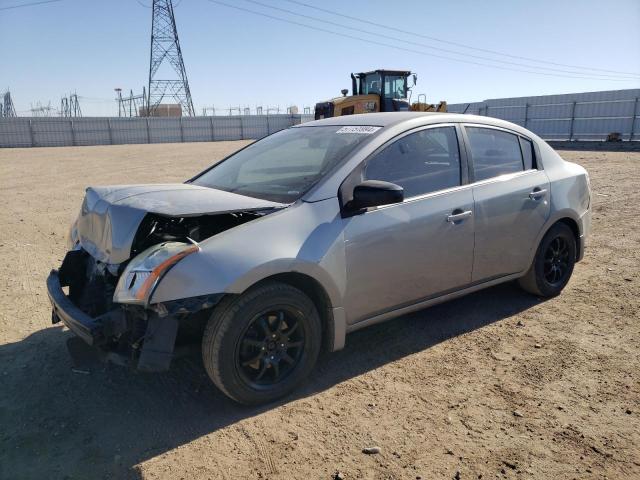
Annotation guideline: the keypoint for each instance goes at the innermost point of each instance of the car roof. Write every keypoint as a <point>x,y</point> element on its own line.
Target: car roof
<point>372,119</point>
<point>388,119</point>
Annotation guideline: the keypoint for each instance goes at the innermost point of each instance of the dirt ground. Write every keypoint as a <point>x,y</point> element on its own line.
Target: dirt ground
<point>498,384</point>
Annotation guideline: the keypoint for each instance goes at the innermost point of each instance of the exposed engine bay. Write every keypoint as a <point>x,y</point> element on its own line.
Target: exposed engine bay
<point>156,228</point>
<point>115,226</point>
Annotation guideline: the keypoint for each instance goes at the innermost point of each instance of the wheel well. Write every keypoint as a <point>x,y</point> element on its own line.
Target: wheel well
<point>571,223</point>
<point>312,288</point>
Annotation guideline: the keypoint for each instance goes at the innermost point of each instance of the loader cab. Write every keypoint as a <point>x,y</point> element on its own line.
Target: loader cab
<point>375,91</point>
<point>391,85</point>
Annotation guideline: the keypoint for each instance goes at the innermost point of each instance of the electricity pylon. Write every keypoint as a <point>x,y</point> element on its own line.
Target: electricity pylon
<point>170,81</point>
<point>6,106</point>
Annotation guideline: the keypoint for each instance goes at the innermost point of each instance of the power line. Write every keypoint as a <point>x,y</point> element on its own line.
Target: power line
<point>345,35</point>
<point>95,99</point>
<point>29,4</point>
<point>435,39</point>
<point>368,32</point>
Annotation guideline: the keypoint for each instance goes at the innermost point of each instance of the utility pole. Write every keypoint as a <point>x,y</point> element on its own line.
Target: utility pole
<point>171,81</point>
<point>119,100</point>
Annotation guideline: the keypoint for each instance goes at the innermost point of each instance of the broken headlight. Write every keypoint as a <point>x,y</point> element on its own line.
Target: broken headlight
<point>137,282</point>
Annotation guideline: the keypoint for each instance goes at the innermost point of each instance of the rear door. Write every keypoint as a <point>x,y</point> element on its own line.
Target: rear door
<point>511,196</point>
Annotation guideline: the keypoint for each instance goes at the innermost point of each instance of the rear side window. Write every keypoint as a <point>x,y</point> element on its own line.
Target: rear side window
<point>527,154</point>
<point>494,152</point>
<point>421,162</point>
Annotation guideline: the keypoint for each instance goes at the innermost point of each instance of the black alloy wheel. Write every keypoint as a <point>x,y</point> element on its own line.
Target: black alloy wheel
<point>262,344</point>
<point>556,261</point>
<point>553,263</point>
<point>271,347</point>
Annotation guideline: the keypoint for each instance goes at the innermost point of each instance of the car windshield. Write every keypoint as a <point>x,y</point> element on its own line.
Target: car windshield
<point>284,166</point>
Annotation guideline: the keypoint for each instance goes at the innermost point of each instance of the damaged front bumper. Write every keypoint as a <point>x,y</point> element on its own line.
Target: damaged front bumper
<point>91,330</point>
<point>144,339</point>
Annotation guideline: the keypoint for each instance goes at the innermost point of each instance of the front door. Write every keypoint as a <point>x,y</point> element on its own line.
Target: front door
<point>399,254</point>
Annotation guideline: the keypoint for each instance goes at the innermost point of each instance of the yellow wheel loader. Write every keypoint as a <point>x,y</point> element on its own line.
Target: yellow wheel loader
<point>377,91</point>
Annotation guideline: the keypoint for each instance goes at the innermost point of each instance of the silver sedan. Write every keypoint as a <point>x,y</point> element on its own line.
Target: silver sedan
<point>287,245</point>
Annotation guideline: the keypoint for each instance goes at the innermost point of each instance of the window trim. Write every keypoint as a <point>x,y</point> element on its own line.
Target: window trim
<point>357,174</point>
<point>534,159</point>
<point>467,142</point>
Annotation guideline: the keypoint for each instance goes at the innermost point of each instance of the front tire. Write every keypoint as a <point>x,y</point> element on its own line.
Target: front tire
<point>553,264</point>
<point>261,345</point>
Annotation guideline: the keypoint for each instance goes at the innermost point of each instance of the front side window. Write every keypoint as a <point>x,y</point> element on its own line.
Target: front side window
<point>494,152</point>
<point>284,166</point>
<point>421,162</point>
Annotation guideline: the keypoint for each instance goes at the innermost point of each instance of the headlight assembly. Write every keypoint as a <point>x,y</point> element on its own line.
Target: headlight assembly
<point>139,279</point>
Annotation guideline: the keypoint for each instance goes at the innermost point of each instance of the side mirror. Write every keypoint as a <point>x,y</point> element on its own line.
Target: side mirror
<point>373,193</point>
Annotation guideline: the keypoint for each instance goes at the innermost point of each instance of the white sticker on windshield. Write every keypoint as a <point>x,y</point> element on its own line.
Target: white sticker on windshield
<point>362,129</point>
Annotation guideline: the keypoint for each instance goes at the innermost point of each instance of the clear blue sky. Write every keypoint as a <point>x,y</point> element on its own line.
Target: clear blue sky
<point>236,58</point>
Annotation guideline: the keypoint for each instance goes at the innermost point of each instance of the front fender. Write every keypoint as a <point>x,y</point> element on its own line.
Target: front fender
<point>305,238</point>
<point>293,265</point>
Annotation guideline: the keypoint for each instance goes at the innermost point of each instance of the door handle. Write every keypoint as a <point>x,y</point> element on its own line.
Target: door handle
<point>538,193</point>
<point>456,217</point>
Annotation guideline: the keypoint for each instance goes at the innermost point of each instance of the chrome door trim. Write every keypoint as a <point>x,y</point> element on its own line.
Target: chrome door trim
<point>494,127</point>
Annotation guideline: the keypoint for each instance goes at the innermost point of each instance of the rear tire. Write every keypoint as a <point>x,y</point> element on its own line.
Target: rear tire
<point>553,264</point>
<point>261,345</point>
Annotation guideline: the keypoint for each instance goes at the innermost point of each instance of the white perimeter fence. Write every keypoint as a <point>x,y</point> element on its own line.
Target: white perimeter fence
<point>574,116</point>
<point>57,132</point>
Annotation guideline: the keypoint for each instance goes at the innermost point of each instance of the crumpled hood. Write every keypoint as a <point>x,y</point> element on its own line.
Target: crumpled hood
<point>110,216</point>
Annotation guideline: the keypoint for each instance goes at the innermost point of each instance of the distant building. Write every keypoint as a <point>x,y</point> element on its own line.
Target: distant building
<point>162,110</point>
